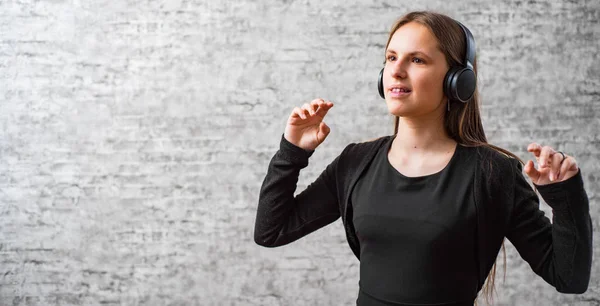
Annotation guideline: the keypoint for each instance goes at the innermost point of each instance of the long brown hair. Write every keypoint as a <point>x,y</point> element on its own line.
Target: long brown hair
<point>463,122</point>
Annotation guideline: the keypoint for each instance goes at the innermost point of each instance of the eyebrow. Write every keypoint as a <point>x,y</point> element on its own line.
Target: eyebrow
<point>411,53</point>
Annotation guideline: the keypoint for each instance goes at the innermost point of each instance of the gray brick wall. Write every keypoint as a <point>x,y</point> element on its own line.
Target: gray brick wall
<point>134,136</point>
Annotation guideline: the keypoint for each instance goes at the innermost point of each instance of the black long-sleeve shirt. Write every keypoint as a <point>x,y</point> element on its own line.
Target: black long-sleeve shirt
<point>416,234</point>
<point>505,206</point>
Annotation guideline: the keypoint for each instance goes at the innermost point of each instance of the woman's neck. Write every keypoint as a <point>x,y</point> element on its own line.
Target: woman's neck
<point>421,136</point>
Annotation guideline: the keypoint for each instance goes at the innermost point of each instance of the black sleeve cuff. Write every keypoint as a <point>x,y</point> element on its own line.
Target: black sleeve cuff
<point>559,195</point>
<point>294,153</point>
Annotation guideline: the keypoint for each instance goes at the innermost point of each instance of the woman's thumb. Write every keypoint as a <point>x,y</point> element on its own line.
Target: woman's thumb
<point>531,171</point>
<point>324,130</point>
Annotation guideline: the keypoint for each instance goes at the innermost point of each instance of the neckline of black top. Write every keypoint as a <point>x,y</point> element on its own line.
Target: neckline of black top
<point>421,177</point>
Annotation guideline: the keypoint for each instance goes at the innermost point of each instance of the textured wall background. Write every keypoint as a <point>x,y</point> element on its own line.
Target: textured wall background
<point>134,137</point>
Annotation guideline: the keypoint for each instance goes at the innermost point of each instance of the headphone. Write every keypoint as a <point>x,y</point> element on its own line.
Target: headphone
<point>460,80</point>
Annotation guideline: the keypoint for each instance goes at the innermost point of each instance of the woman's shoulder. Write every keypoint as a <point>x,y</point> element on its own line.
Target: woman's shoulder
<point>376,140</point>
<point>495,161</point>
<point>355,152</point>
<point>367,145</point>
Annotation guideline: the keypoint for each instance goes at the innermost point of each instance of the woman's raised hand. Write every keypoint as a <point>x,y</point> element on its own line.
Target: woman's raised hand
<point>305,127</point>
<point>553,166</point>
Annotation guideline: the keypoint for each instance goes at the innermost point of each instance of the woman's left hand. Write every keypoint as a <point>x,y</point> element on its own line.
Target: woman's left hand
<point>553,166</point>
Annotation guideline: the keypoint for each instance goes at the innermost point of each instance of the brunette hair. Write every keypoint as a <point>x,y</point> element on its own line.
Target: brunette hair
<point>463,122</point>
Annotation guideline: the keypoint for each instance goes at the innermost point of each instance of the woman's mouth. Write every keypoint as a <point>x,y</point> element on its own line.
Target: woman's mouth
<point>399,92</point>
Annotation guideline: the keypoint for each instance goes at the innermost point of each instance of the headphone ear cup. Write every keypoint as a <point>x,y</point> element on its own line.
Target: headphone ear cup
<point>449,83</point>
<point>380,84</point>
<point>465,84</point>
<point>459,84</point>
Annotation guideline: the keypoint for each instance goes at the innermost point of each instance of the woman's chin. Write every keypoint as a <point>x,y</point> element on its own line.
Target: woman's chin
<point>397,109</point>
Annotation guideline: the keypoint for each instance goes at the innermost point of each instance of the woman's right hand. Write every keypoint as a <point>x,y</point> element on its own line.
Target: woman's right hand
<point>305,127</point>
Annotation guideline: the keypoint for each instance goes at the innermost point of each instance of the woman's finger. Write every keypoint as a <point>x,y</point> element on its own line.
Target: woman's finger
<point>294,114</point>
<point>298,112</point>
<point>312,106</point>
<point>317,104</point>
<point>324,108</point>
<point>545,155</point>
<point>570,164</point>
<point>535,149</point>
<point>309,108</point>
<point>555,169</point>
<point>315,107</point>
<point>531,171</point>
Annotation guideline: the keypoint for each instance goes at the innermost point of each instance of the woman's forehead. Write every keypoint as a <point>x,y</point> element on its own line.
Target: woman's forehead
<point>413,37</point>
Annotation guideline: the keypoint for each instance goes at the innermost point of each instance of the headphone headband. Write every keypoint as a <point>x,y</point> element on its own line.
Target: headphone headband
<point>469,45</point>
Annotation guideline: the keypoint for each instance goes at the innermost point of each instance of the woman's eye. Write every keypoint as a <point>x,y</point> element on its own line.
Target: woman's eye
<point>417,60</point>
<point>391,58</point>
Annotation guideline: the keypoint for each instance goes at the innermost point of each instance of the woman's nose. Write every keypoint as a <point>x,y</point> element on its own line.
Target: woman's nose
<point>398,70</point>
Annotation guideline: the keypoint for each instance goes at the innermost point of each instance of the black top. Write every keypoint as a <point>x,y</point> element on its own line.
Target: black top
<point>416,234</point>
<point>506,206</point>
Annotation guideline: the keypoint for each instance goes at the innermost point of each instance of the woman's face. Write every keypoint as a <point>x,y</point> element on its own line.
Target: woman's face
<point>414,73</point>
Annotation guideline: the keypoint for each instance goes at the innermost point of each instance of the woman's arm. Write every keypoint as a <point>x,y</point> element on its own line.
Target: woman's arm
<point>561,252</point>
<point>282,218</point>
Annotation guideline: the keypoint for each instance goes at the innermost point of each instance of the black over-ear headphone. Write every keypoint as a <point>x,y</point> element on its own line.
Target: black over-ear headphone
<point>460,81</point>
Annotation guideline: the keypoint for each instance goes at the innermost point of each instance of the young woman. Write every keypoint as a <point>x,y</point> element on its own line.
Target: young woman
<point>426,210</point>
